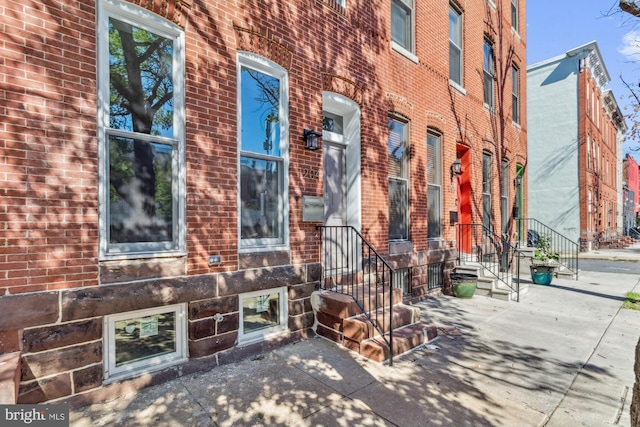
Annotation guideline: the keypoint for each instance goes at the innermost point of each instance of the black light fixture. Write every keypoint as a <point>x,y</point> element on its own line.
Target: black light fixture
<point>456,168</point>
<point>518,181</point>
<point>311,139</point>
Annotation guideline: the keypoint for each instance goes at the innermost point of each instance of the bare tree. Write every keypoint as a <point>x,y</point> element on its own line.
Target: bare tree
<point>630,7</point>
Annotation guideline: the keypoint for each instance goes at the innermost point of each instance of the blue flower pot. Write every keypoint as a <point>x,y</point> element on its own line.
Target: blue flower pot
<point>541,274</point>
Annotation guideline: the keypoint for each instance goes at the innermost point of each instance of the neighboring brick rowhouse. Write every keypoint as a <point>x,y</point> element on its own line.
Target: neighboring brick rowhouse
<point>632,179</point>
<point>635,402</point>
<point>56,290</point>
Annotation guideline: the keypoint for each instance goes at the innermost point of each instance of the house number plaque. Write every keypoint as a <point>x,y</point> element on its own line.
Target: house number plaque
<point>310,173</point>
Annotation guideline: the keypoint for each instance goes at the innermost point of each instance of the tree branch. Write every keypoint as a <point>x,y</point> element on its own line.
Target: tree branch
<point>631,7</point>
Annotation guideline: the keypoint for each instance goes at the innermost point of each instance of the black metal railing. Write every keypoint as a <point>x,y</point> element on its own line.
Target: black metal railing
<point>494,253</point>
<point>435,276</point>
<point>634,233</point>
<point>353,267</point>
<point>566,248</point>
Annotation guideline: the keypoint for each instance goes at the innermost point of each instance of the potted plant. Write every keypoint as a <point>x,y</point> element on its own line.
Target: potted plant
<point>543,262</point>
<point>463,284</point>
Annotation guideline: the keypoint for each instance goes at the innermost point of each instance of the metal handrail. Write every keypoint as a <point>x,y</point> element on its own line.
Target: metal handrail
<point>476,243</point>
<point>352,266</point>
<point>565,247</point>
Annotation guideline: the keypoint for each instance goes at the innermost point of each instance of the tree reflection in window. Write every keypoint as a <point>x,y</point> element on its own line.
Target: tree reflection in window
<point>141,175</point>
<point>261,163</point>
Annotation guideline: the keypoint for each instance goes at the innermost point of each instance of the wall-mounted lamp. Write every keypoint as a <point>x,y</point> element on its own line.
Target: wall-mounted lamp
<point>518,181</point>
<point>310,138</point>
<point>456,168</point>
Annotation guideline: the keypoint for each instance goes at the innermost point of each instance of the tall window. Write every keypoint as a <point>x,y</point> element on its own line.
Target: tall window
<point>486,190</point>
<point>515,94</point>
<point>398,180</point>
<point>455,45</point>
<point>434,185</point>
<point>514,14</point>
<point>589,211</point>
<point>402,23</point>
<point>520,199</point>
<point>504,196</point>
<point>263,150</point>
<point>141,132</point>
<point>489,66</point>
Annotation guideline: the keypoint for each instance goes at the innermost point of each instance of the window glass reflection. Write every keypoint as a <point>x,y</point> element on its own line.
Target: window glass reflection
<point>141,338</point>
<point>140,191</point>
<point>259,195</point>
<point>260,108</point>
<point>141,80</point>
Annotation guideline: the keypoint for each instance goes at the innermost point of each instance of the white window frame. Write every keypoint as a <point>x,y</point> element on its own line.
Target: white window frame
<point>141,18</point>
<point>487,190</point>
<point>452,44</point>
<point>505,166</point>
<point>514,15</point>
<point>112,372</point>
<point>272,69</point>
<point>409,50</point>
<point>263,334</point>
<point>489,74</point>
<point>405,177</point>
<point>439,184</point>
<point>515,94</point>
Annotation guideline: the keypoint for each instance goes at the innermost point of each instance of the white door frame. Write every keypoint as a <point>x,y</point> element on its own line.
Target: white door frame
<point>350,138</point>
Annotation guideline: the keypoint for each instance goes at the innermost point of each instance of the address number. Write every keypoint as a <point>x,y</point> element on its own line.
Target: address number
<point>310,173</point>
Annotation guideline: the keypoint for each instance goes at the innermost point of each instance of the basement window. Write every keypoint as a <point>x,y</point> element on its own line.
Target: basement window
<point>263,314</point>
<point>144,340</point>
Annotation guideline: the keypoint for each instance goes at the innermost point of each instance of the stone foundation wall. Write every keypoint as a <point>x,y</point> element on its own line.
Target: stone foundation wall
<point>61,332</point>
<point>419,263</point>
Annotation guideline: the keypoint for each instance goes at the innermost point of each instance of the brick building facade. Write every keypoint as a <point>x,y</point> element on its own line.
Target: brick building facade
<point>631,183</point>
<point>575,146</point>
<point>159,204</point>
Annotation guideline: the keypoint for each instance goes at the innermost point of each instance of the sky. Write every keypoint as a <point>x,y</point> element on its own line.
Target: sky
<point>556,26</point>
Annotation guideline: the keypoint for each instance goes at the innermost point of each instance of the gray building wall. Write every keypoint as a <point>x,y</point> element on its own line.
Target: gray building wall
<point>553,162</point>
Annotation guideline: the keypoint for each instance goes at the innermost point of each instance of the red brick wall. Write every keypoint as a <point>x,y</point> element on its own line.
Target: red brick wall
<point>49,207</point>
<point>633,180</point>
<point>600,174</point>
<point>49,166</point>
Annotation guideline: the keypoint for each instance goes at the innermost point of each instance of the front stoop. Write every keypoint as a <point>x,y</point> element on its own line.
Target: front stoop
<point>9,377</point>
<point>491,286</point>
<point>405,339</point>
<point>339,319</point>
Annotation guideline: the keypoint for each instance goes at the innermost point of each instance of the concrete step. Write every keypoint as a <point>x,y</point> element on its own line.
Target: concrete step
<point>9,377</point>
<point>488,284</point>
<point>343,306</point>
<point>360,328</point>
<point>404,340</point>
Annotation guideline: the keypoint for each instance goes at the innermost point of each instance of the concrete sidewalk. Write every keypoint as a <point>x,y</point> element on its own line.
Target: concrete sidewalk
<point>563,356</point>
<point>630,253</point>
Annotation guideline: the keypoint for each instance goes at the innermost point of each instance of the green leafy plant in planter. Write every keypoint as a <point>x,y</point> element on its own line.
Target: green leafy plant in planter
<point>543,262</point>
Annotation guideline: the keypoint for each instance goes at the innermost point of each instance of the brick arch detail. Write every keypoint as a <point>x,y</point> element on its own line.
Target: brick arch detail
<point>436,121</point>
<point>174,10</point>
<point>260,43</point>
<point>399,105</point>
<point>333,82</point>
